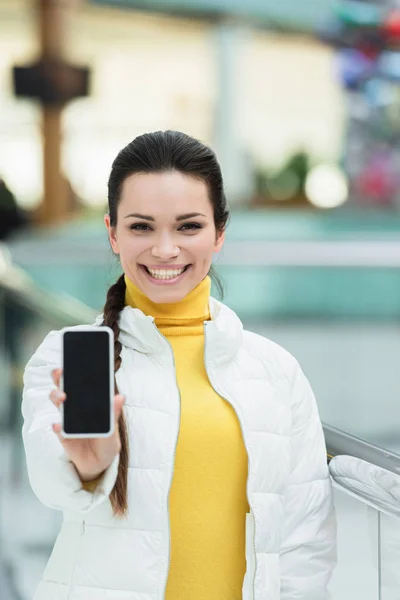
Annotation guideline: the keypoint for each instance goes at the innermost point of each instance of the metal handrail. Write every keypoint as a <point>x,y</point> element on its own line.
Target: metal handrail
<point>363,470</point>
<point>339,443</point>
<point>60,309</point>
<point>368,483</point>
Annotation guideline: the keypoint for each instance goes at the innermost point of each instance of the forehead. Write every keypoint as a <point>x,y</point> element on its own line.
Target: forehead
<point>164,193</point>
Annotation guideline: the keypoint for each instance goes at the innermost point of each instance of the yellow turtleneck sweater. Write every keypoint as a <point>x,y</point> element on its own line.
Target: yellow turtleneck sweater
<point>208,501</point>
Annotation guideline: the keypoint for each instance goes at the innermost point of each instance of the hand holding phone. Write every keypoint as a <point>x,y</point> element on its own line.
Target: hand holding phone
<point>91,456</point>
<point>85,396</point>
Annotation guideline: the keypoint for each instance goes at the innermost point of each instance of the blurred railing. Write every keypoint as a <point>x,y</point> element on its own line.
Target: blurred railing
<point>339,443</point>
<point>21,289</point>
<point>369,530</point>
<point>27,529</point>
<point>338,253</point>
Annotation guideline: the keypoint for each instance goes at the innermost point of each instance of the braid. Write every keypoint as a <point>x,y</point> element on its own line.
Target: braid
<point>115,302</point>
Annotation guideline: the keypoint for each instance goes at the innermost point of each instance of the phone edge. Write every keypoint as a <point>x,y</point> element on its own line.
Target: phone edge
<point>110,333</point>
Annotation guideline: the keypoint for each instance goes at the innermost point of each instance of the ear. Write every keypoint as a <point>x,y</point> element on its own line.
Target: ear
<point>111,234</point>
<point>219,241</point>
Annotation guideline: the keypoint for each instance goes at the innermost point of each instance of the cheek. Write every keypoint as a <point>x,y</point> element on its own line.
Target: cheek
<point>203,246</point>
<point>130,246</point>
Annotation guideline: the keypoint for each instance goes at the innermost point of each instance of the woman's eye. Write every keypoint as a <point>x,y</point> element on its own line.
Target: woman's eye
<point>190,226</point>
<point>139,227</point>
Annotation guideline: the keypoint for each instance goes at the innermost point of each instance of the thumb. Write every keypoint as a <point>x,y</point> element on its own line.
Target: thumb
<point>119,401</point>
<point>56,427</point>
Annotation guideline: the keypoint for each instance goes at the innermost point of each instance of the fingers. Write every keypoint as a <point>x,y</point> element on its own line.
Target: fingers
<point>56,375</point>
<point>56,427</point>
<point>57,397</point>
<point>119,401</point>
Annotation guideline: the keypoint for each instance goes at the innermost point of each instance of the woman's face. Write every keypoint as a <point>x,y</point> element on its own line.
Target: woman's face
<point>165,234</point>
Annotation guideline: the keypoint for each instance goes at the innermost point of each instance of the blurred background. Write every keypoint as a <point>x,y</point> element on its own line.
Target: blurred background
<point>301,101</point>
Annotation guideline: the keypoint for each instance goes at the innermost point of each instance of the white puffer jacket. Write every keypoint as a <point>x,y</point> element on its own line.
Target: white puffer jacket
<point>290,530</point>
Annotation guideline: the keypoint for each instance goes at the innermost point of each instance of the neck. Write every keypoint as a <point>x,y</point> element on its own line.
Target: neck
<point>175,318</point>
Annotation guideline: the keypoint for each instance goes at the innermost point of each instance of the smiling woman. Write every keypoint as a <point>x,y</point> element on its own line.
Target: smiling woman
<point>215,483</point>
<point>164,249</point>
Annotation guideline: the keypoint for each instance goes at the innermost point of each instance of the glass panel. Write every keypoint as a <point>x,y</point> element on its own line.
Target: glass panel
<point>356,576</point>
<point>390,557</point>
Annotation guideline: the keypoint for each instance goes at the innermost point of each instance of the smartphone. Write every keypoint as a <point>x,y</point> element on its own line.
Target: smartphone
<point>88,382</point>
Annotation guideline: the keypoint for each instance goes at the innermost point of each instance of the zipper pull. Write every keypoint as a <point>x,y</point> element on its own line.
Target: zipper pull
<point>82,527</point>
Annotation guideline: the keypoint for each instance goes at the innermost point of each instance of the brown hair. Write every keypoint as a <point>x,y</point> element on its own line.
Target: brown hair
<point>155,153</point>
<point>114,304</point>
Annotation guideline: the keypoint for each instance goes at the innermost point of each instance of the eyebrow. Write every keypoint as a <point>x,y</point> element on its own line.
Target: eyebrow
<point>138,216</point>
<point>179,218</point>
<point>189,216</point>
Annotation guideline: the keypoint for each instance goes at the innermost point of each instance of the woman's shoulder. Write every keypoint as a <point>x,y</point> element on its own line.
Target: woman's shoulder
<point>270,353</point>
<point>253,345</point>
<point>280,368</point>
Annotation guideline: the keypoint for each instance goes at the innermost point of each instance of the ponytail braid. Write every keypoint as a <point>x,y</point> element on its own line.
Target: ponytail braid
<point>115,302</point>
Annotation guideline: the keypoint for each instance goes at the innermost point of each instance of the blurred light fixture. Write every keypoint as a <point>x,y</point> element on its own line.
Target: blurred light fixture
<point>326,186</point>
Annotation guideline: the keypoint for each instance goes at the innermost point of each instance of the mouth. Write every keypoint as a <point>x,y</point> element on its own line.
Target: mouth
<point>165,276</point>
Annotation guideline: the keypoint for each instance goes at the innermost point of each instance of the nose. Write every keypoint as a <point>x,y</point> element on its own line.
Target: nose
<point>165,248</point>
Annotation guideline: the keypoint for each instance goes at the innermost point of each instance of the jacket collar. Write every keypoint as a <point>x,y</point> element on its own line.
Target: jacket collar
<point>223,334</point>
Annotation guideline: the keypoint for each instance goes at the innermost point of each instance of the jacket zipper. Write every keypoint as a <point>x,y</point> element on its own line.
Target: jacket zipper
<point>173,462</point>
<point>174,455</point>
<point>248,457</point>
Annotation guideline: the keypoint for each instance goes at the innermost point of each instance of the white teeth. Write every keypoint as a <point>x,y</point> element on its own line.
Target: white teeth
<point>165,273</point>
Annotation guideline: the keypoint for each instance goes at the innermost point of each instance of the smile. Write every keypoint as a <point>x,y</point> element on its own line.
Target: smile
<point>164,275</point>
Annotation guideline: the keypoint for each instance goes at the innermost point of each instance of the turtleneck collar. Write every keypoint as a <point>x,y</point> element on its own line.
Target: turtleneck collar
<point>177,318</point>
<point>138,332</point>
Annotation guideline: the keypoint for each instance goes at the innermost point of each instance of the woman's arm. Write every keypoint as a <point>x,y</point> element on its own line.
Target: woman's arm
<point>52,475</point>
<point>308,549</point>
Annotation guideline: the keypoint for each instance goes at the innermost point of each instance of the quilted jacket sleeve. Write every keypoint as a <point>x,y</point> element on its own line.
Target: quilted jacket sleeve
<point>308,549</point>
<point>52,475</point>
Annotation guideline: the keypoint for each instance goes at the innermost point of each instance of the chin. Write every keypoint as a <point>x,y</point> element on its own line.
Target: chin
<point>166,296</point>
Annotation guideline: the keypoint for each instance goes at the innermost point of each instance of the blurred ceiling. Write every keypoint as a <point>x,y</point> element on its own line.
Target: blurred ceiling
<point>303,15</point>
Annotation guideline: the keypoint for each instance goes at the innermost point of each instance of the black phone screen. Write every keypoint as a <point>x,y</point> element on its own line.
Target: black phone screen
<point>86,374</point>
